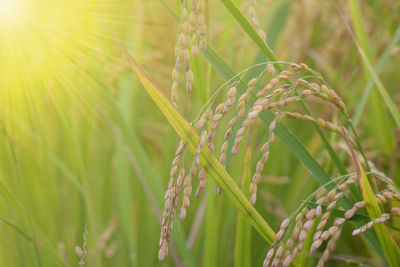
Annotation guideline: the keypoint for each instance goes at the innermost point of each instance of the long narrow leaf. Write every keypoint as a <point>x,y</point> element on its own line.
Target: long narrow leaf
<point>287,137</point>
<point>243,230</point>
<point>389,246</point>
<point>381,121</point>
<point>243,21</point>
<point>292,142</point>
<point>381,88</point>
<point>266,49</point>
<point>208,160</point>
<point>382,61</point>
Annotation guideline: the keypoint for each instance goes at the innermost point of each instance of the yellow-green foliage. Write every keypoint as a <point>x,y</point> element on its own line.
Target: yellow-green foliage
<point>283,121</point>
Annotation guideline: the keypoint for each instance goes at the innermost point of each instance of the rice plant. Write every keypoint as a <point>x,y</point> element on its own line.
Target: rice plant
<point>199,133</point>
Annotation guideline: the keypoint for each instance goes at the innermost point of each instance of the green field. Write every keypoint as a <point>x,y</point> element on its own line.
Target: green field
<point>247,133</point>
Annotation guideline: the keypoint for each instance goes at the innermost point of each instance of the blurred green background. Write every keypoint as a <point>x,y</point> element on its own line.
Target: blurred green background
<point>82,143</point>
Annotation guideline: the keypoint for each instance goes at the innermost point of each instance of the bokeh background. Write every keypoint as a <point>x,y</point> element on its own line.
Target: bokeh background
<point>82,144</point>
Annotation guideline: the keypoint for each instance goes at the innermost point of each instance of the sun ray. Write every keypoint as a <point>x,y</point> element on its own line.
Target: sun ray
<point>53,53</point>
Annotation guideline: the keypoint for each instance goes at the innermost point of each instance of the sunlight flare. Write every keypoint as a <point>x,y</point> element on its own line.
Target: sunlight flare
<point>11,12</point>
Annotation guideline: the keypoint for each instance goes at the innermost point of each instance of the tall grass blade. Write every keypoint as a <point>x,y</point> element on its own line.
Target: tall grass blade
<point>243,230</point>
<point>211,239</point>
<point>379,66</point>
<point>287,137</point>
<point>292,143</point>
<point>266,49</point>
<point>208,160</point>
<point>244,22</point>
<point>389,246</point>
<point>377,107</point>
<point>367,62</point>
